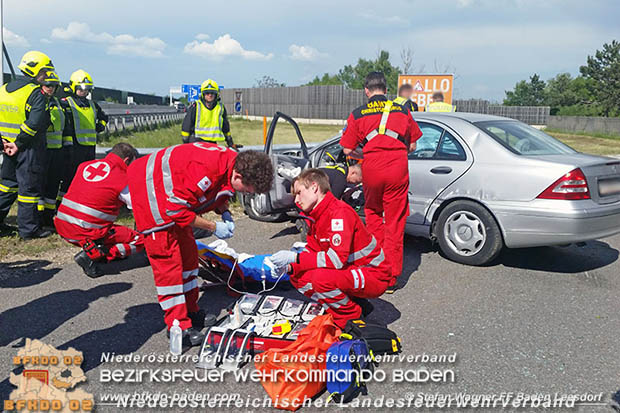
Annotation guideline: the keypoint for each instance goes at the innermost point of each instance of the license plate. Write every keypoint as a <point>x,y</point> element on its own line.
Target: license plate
<point>608,187</point>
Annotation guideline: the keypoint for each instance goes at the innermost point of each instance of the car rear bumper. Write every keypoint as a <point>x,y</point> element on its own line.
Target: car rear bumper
<point>551,222</point>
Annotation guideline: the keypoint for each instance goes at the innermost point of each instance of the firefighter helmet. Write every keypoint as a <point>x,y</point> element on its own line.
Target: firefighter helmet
<point>80,79</point>
<point>209,86</point>
<point>51,78</point>
<point>33,61</point>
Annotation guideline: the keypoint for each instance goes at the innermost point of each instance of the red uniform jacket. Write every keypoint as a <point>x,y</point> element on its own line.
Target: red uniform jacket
<point>174,184</point>
<point>366,118</point>
<point>92,203</point>
<point>338,239</point>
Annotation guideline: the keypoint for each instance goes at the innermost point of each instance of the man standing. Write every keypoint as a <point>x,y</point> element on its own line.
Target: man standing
<point>24,121</point>
<point>87,213</point>
<point>438,105</point>
<point>84,119</point>
<point>342,263</point>
<point>206,119</point>
<point>404,97</point>
<point>170,189</point>
<point>387,132</point>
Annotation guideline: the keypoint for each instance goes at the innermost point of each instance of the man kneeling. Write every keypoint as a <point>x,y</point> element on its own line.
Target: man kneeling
<point>87,213</point>
<point>342,264</point>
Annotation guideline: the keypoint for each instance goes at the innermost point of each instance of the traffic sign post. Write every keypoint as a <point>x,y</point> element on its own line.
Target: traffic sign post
<point>192,91</point>
<point>238,100</point>
<point>425,85</point>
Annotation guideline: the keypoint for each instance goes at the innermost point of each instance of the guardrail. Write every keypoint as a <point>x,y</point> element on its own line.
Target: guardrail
<point>119,123</point>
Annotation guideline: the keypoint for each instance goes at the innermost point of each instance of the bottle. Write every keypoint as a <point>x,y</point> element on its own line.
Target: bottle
<point>176,339</point>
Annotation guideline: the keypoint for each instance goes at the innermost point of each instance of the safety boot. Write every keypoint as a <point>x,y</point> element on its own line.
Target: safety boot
<point>40,233</point>
<point>89,266</point>
<point>200,319</point>
<point>6,229</point>
<point>366,305</point>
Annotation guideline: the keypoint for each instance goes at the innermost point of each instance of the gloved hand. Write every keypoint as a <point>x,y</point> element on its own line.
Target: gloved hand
<point>283,258</point>
<point>222,230</point>
<point>228,219</point>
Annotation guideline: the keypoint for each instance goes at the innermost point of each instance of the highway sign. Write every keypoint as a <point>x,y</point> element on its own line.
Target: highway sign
<point>425,85</point>
<point>237,107</point>
<point>192,91</point>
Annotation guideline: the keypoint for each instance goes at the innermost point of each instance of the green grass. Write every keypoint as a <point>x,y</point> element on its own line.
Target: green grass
<point>587,134</point>
<point>244,132</point>
<point>589,144</point>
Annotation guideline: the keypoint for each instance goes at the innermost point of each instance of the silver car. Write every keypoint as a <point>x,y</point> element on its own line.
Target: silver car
<point>479,183</point>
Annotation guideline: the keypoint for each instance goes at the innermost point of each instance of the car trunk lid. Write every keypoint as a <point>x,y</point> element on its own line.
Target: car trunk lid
<point>602,174</point>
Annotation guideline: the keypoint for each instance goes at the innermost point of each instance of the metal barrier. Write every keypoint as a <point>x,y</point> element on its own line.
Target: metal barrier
<point>120,123</point>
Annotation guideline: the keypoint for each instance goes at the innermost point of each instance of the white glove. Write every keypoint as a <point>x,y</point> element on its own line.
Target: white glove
<point>228,219</point>
<point>283,258</point>
<point>222,230</point>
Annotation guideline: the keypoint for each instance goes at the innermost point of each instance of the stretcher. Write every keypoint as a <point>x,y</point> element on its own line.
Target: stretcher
<point>221,265</point>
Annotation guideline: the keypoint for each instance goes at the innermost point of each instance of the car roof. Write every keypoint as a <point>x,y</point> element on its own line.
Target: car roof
<point>466,116</point>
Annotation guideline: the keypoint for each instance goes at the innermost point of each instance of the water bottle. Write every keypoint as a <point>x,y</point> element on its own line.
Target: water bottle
<point>176,339</point>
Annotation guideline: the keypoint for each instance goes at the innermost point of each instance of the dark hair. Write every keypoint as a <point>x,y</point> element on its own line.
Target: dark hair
<point>404,87</point>
<point>375,81</point>
<point>314,176</point>
<point>437,97</point>
<point>125,150</point>
<point>255,169</point>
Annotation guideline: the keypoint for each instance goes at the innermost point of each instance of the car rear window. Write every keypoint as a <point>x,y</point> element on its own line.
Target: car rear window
<point>523,139</point>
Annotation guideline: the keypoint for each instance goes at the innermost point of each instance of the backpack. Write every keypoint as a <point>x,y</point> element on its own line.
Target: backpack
<point>345,362</point>
<point>381,340</point>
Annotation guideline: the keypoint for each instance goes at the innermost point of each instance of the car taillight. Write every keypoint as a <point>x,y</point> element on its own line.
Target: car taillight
<point>571,186</point>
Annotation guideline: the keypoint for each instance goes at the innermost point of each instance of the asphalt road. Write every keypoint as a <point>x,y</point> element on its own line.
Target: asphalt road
<point>540,321</point>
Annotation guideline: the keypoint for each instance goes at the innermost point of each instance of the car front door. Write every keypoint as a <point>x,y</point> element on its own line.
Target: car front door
<point>440,158</point>
<point>289,158</point>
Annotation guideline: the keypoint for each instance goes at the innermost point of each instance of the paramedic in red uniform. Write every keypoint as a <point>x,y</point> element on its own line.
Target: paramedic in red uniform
<point>88,210</point>
<point>170,189</point>
<point>387,132</point>
<point>342,264</point>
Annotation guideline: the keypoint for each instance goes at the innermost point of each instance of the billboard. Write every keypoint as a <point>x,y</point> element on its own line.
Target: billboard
<point>425,85</point>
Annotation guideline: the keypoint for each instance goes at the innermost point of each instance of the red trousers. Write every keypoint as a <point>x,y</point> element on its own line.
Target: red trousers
<point>119,241</point>
<point>333,289</point>
<point>386,186</point>
<point>174,259</point>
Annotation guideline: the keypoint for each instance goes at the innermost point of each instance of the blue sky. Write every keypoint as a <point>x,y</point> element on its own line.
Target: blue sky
<point>148,46</point>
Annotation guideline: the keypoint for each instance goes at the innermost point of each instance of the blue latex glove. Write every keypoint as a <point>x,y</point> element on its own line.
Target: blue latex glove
<point>228,219</point>
<point>283,258</point>
<point>222,231</point>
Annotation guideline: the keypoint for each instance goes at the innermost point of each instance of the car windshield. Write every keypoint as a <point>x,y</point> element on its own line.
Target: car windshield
<point>523,139</point>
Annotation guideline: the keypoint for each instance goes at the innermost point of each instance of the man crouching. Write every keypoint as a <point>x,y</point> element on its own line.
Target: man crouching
<point>342,264</point>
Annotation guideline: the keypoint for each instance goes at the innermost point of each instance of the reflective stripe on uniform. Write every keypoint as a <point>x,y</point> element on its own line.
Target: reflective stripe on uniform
<point>333,256</point>
<point>377,260</point>
<point>76,221</point>
<point>305,288</point>
<point>14,108</point>
<point>209,122</point>
<point>190,285</point>
<point>28,199</point>
<point>170,289</point>
<point>171,302</point>
<point>150,189</point>
<point>364,251</point>
<point>8,189</point>
<point>382,130</point>
<point>88,210</point>
<point>320,259</point>
<point>189,273</point>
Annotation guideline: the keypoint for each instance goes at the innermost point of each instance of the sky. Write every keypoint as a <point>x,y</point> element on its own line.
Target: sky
<point>150,46</point>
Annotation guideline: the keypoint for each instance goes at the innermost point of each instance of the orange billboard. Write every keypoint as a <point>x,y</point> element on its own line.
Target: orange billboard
<point>425,85</point>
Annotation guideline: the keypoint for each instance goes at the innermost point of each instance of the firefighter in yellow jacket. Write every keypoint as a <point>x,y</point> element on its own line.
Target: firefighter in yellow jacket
<point>206,119</point>
<point>83,119</point>
<point>438,105</point>
<point>24,119</point>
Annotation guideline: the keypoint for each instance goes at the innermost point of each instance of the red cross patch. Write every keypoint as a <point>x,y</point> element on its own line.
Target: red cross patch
<point>96,172</point>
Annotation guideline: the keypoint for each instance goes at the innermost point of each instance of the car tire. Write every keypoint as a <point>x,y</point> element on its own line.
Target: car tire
<point>255,215</point>
<point>468,234</point>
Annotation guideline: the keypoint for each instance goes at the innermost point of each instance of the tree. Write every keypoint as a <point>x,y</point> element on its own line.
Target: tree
<point>406,55</point>
<point>525,93</point>
<point>604,70</point>
<point>268,81</point>
<point>354,76</point>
